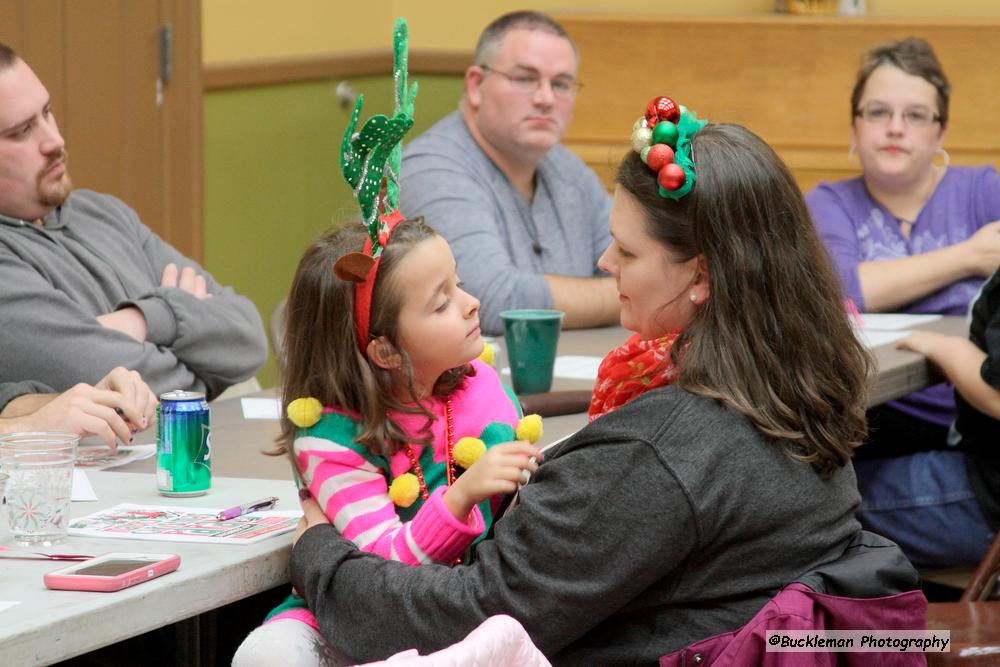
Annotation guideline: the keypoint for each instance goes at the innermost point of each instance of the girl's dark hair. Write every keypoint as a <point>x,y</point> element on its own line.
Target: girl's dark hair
<point>321,357</point>
<point>915,57</point>
<point>773,340</point>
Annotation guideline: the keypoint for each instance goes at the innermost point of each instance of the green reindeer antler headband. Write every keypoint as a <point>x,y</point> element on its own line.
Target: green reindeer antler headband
<point>367,159</point>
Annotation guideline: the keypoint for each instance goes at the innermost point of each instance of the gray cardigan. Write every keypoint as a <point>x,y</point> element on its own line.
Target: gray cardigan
<point>667,521</point>
<point>93,256</point>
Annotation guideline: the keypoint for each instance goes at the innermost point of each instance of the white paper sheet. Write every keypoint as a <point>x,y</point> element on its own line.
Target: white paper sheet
<point>122,455</point>
<point>577,367</point>
<point>874,338</point>
<point>572,367</point>
<point>82,490</point>
<point>183,524</point>
<point>7,604</point>
<point>261,408</point>
<point>895,321</point>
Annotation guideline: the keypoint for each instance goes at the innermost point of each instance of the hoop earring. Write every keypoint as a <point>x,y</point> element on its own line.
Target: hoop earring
<point>852,153</point>
<point>944,156</point>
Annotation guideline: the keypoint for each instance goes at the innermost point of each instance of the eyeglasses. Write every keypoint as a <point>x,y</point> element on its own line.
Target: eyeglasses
<point>529,82</point>
<point>881,115</point>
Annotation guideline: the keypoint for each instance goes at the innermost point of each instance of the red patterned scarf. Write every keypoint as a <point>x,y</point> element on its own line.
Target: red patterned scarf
<point>637,366</point>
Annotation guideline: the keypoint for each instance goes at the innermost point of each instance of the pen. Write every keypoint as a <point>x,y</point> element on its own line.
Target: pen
<point>240,510</point>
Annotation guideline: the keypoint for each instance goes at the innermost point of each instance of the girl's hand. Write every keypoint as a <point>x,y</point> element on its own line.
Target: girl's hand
<point>498,471</point>
<point>923,342</point>
<point>312,515</point>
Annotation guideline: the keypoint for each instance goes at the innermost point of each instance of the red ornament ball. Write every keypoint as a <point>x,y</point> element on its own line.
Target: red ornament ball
<point>662,108</point>
<point>671,177</point>
<point>658,156</point>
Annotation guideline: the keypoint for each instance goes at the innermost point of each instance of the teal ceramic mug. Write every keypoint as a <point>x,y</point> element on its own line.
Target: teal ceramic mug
<point>531,336</point>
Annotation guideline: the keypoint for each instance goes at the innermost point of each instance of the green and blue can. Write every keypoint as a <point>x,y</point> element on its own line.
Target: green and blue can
<point>183,444</point>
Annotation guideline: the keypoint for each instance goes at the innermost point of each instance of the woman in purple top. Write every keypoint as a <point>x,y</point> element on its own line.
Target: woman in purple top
<point>909,235</point>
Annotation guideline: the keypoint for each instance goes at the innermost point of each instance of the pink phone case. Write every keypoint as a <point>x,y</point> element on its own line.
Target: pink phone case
<point>154,565</point>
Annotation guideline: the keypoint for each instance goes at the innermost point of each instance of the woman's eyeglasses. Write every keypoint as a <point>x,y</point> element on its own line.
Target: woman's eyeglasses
<point>881,115</point>
<point>529,82</point>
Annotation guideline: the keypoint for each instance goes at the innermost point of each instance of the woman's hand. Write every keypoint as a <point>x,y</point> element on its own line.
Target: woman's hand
<point>312,515</point>
<point>138,400</point>
<point>118,406</point>
<point>499,470</point>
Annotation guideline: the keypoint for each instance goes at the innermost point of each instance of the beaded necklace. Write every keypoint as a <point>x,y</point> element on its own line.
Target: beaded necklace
<point>449,446</point>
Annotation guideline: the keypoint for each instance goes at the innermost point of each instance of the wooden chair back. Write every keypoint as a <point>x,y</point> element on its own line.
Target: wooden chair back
<point>974,621</point>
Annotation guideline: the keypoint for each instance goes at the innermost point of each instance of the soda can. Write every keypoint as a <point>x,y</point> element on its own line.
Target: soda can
<point>183,444</point>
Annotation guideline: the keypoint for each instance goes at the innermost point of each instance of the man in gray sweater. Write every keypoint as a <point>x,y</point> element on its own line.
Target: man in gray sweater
<point>87,287</point>
<point>525,217</point>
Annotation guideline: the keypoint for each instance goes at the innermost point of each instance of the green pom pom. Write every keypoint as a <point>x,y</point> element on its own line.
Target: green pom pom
<point>665,132</point>
<point>643,154</point>
<point>497,432</point>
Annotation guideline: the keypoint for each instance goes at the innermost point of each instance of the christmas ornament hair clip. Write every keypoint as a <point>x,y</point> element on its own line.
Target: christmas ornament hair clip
<point>662,138</point>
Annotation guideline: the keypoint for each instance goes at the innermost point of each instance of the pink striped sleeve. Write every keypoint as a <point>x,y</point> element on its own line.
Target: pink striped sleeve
<point>355,497</point>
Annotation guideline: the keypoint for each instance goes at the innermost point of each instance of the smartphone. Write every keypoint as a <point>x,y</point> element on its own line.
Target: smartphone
<point>111,572</point>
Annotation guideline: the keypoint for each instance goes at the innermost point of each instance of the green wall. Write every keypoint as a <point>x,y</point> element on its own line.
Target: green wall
<point>272,176</point>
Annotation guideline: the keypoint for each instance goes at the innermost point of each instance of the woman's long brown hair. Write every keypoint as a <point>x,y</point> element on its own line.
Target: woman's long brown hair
<point>773,340</point>
<point>321,357</point>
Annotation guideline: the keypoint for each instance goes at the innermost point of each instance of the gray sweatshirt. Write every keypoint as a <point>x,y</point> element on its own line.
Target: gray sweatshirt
<point>667,521</point>
<point>93,256</point>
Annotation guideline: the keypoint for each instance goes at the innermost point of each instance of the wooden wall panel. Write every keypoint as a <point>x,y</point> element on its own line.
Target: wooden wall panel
<point>788,79</point>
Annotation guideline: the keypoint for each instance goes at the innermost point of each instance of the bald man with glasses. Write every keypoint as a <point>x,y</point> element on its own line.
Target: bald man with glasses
<point>526,219</point>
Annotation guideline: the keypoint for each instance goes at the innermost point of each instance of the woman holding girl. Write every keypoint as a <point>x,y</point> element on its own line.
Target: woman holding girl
<point>720,471</point>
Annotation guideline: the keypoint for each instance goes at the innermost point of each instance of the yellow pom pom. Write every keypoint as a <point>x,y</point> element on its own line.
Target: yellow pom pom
<point>530,428</point>
<point>467,451</point>
<point>486,356</point>
<point>404,489</point>
<point>304,412</point>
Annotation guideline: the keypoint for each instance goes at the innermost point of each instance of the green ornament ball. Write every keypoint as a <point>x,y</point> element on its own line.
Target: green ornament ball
<point>665,133</point>
<point>644,153</point>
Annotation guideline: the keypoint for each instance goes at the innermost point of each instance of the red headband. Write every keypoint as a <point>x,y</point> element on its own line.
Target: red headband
<point>363,288</point>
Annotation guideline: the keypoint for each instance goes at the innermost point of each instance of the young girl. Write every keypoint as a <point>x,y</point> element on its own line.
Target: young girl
<point>380,431</point>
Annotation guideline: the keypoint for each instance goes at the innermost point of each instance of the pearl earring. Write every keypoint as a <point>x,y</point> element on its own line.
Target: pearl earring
<point>694,297</point>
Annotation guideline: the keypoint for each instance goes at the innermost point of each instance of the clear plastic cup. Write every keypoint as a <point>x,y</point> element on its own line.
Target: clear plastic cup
<point>39,472</point>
